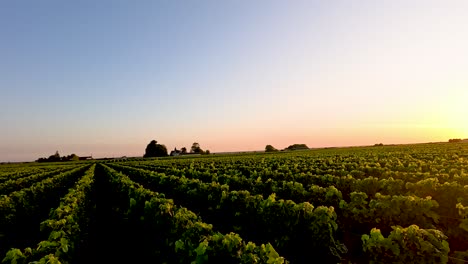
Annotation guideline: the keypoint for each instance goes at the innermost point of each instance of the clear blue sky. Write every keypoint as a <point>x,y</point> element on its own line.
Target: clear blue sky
<point>106,77</point>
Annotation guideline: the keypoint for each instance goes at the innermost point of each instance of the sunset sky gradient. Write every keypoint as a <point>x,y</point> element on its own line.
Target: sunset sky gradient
<point>104,78</point>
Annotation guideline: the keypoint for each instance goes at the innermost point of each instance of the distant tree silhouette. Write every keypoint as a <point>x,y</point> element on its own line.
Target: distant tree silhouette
<point>455,140</point>
<point>183,150</point>
<point>155,150</point>
<point>73,157</point>
<point>196,148</point>
<point>56,158</point>
<point>297,147</point>
<point>270,148</point>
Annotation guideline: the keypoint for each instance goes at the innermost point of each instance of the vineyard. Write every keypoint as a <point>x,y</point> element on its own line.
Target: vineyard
<point>381,204</point>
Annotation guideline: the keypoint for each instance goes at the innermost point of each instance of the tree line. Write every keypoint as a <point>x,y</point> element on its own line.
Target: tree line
<point>455,140</point>
<point>153,149</point>
<point>270,148</point>
<point>56,158</point>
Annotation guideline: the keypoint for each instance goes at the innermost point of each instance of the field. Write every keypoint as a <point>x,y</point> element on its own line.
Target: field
<point>382,204</point>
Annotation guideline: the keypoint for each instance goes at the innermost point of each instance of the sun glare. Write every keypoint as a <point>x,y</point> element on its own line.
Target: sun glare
<point>457,116</point>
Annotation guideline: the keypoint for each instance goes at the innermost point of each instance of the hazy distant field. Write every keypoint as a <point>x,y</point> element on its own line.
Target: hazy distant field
<point>406,203</point>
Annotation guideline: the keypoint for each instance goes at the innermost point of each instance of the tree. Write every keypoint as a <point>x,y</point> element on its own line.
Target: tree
<point>55,157</point>
<point>196,148</point>
<point>73,157</point>
<point>297,147</point>
<point>270,148</point>
<point>207,152</point>
<point>183,150</point>
<point>155,150</point>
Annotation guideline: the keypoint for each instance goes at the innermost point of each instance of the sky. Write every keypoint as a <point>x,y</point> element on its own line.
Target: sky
<point>104,78</point>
